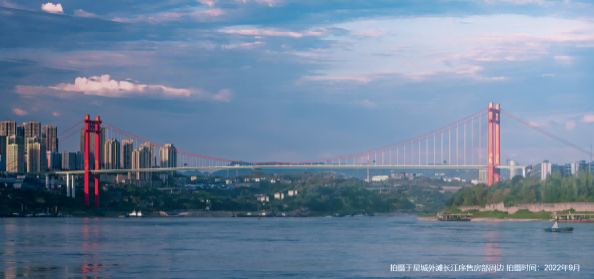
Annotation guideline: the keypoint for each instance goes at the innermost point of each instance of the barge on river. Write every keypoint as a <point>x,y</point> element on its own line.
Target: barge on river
<point>454,216</point>
<point>572,217</point>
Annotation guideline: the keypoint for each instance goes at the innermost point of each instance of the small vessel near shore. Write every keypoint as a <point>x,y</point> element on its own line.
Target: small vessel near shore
<point>454,217</point>
<point>555,228</point>
<point>134,214</point>
<point>572,217</point>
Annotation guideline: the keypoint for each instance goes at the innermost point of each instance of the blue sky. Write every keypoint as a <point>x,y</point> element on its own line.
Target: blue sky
<point>277,80</point>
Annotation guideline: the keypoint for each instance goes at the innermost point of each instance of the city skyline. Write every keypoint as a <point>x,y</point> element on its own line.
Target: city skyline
<point>244,87</point>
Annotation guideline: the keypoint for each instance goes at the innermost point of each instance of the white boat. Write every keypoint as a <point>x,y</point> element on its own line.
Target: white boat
<point>135,214</point>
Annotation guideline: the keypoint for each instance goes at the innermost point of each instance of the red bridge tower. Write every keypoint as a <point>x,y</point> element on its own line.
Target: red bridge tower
<point>92,127</point>
<point>494,146</point>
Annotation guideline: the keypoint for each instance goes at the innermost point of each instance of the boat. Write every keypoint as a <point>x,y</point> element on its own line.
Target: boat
<point>454,217</point>
<point>134,214</point>
<point>556,228</point>
<point>572,217</point>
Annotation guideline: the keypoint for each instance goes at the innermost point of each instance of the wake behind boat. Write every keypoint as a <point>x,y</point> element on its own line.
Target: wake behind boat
<point>556,228</point>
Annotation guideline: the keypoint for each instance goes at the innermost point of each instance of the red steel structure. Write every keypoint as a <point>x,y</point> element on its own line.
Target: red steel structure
<point>494,146</point>
<point>490,146</point>
<point>92,126</point>
<point>496,135</point>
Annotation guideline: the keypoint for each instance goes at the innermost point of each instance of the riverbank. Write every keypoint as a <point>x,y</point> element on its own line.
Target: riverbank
<point>492,219</point>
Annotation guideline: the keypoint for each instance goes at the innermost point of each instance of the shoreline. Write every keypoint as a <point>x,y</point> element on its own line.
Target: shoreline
<point>491,219</point>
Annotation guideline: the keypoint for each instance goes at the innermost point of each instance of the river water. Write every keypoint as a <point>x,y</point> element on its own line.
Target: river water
<point>288,247</point>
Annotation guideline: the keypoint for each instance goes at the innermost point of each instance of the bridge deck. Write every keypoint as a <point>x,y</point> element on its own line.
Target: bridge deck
<point>280,167</point>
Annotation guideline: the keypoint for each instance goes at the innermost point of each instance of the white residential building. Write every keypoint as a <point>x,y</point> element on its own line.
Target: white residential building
<point>379,178</point>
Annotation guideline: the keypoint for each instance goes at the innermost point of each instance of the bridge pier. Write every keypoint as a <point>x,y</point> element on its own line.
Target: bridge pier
<point>73,190</point>
<point>68,185</point>
<point>52,182</point>
<point>47,181</point>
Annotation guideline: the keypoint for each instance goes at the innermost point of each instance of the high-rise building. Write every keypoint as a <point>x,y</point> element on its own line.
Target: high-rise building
<point>579,166</point>
<point>92,147</point>
<point>36,157</point>
<point>32,129</point>
<point>513,172</point>
<point>168,156</point>
<point>483,174</point>
<point>49,132</point>
<point>545,168</point>
<point>112,154</point>
<point>20,131</point>
<point>54,161</point>
<point>80,161</point>
<point>142,158</point>
<point>7,128</point>
<point>69,161</point>
<point>127,148</point>
<point>2,163</point>
<point>15,150</point>
<point>2,145</point>
<point>528,171</point>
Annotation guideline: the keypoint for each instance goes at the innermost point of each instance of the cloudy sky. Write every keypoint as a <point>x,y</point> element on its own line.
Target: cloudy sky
<point>283,80</point>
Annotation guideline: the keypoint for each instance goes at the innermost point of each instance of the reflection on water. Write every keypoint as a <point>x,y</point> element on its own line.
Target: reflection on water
<point>90,244</point>
<point>492,251</point>
<point>277,247</point>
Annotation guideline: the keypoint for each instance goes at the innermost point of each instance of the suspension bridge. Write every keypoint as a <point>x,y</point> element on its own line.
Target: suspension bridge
<point>458,145</point>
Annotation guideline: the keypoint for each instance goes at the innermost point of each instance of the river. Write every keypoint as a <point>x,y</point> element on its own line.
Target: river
<point>289,247</point>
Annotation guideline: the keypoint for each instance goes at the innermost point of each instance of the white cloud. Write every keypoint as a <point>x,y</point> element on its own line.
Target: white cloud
<point>589,117</point>
<point>56,114</point>
<point>331,80</point>
<point>51,8</point>
<point>6,4</point>
<point>366,104</point>
<point>81,13</point>
<point>200,16</point>
<point>523,2</point>
<point>107,87</point>
<point>208,13</point>
<point>563,57</point>
<point>275,32</point>
<point>371,33</point>
<point>270,3</point>
<point>463,71</point>
<point>569,125</point>
<point>548,118</point>
<point>210,3</point>
<point>244,45</point>
<point>547,75</point>
<point>19,112</point>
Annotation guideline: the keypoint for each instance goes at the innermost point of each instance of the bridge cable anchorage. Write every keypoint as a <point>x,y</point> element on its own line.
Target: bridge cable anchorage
<point>535,127</point>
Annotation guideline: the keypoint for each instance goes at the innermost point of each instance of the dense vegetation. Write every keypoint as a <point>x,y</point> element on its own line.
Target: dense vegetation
<point>556,188</point>
<point>321,193</point>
